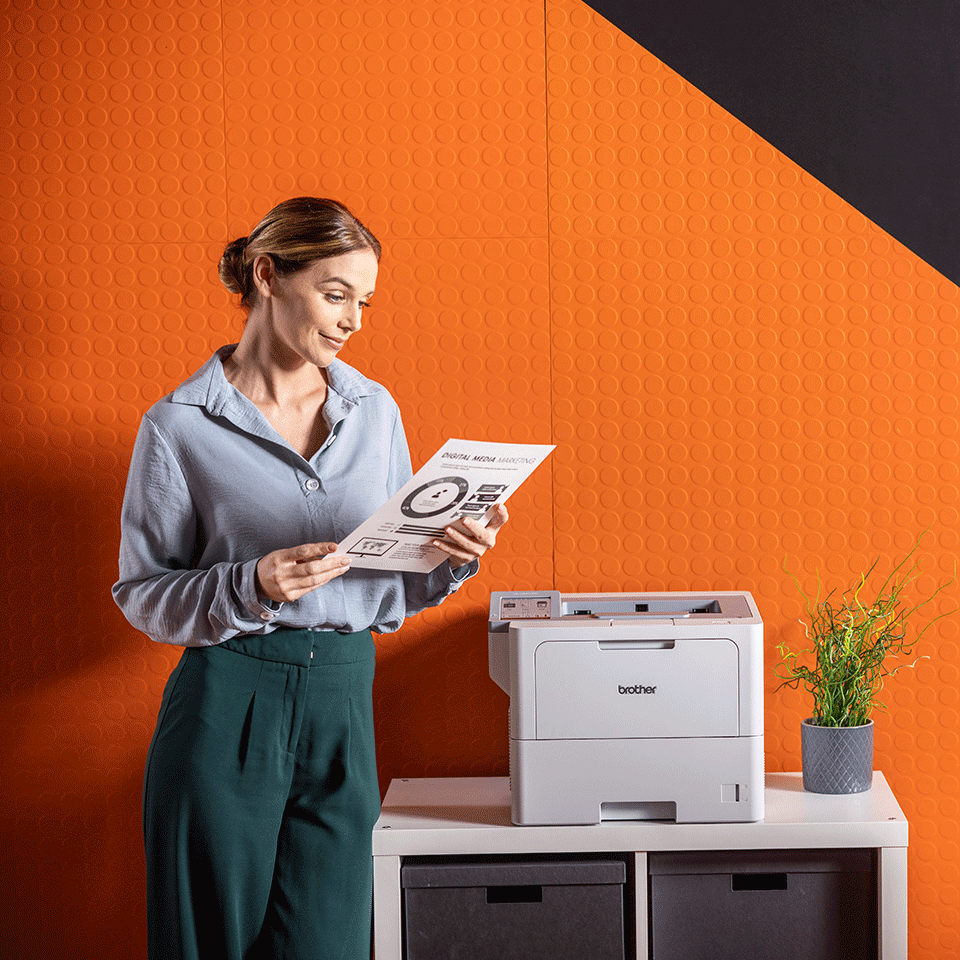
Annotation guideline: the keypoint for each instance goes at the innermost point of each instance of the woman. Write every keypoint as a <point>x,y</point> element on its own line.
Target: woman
<point>261,787</point>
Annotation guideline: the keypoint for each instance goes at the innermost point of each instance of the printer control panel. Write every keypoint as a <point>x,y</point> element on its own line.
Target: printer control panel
<point>520,607</point>
<point>715,608</point>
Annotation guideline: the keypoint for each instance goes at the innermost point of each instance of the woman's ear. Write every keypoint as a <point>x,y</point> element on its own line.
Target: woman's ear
<point>264,275</point>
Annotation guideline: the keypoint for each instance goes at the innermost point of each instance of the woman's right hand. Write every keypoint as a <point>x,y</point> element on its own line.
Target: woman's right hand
<point>288,574</point>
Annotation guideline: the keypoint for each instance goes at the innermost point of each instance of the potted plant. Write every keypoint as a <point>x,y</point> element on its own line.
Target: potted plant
<point>859,638</point>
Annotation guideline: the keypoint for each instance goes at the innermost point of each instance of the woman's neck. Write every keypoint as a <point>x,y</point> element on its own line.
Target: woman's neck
<point>268,375</point>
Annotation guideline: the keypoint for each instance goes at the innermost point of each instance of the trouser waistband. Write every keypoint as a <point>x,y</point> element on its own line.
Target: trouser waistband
<point>303,648</point>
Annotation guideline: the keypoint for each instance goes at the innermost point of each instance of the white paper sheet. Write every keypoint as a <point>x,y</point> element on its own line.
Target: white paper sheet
<point>464,478</point>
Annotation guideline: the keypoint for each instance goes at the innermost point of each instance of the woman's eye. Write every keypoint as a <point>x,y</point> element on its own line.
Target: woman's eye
<point>364,304</point>
<point>336,297</point>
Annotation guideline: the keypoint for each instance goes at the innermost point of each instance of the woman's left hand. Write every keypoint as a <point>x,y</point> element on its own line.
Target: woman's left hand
<point>465,547</point>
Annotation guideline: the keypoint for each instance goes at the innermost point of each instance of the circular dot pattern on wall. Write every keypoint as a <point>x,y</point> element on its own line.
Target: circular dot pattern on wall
<point>743,376</point>
<point>778,377</point>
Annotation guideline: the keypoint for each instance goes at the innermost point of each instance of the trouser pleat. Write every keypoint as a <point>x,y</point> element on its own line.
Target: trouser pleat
<point>260,797</point>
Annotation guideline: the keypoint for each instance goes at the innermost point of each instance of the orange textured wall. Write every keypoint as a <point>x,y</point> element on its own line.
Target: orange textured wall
<point>738,370</point>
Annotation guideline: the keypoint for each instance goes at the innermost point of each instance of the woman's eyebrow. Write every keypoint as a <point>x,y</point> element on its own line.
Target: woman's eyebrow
<point>345,283</point>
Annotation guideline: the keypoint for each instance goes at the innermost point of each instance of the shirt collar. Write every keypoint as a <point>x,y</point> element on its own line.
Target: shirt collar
<point>209,387</point>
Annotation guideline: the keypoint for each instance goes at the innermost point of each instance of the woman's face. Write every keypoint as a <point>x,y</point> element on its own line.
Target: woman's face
<point>313,312</point>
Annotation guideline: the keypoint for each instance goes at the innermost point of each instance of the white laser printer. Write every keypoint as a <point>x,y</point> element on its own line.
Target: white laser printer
<point>624,706</point>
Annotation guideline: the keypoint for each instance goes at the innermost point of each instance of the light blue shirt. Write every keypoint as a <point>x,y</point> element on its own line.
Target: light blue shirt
<point>213,487</point>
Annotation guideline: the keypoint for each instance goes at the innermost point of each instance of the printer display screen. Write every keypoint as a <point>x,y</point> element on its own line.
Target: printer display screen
<point>525,608</point>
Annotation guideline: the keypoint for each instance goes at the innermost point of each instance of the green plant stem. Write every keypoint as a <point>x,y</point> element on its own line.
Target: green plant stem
<point>855,645</point>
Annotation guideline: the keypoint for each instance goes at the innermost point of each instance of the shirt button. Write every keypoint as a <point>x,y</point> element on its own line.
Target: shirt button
<point>266,615</point>
<point>313,484</point>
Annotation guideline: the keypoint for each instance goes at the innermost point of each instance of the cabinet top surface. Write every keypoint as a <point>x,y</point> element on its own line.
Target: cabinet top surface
<point>460,814</point>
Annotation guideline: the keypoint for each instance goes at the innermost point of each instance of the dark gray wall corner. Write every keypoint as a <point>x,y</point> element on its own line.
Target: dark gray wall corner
<point>863,94</point>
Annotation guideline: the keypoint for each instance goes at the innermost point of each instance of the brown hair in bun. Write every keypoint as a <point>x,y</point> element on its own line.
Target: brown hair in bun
<point>293,234</point>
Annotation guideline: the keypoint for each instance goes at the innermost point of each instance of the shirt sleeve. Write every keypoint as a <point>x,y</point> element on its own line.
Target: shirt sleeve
<point>158,591</point>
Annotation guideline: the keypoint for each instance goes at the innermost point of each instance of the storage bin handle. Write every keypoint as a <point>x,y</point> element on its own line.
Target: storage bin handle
<point>758,881</point>
<point>527,893</point>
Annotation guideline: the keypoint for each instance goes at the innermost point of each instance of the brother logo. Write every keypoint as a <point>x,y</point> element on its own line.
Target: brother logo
<point>637,689</point>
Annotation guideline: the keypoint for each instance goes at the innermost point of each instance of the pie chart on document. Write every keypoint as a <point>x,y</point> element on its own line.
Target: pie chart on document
<point>434,498</point>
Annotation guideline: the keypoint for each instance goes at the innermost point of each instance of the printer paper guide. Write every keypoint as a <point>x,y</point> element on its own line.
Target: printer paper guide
<point>464,478</point>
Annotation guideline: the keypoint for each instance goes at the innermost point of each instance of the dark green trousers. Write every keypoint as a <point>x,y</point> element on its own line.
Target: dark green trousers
<point>260,798</point>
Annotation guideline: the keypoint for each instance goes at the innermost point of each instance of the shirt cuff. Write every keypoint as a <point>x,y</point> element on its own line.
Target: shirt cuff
<point>466,571</point>
<point>262,610</point>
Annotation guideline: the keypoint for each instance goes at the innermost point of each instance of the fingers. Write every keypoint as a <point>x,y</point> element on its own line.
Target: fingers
<point>311,551</point>
<point>499,518</point>
<point>463,547</point>
<point>286,575</point>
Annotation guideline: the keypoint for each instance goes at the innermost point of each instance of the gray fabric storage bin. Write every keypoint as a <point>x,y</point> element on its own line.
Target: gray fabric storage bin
<point>528,910</point>
<point>763,904</point>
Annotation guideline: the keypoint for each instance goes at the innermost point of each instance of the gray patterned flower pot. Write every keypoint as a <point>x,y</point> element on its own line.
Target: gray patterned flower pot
<point>836,759</point>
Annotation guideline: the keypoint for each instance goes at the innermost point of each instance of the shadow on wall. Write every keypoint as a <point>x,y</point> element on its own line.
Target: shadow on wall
<point>75,711</point>
<point>62,534</point>
<point>437,710</point>
<point>72,866</point>
<point>72,877</point>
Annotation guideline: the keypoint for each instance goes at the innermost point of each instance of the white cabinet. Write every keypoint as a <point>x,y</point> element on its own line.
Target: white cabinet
<point>456,817</point>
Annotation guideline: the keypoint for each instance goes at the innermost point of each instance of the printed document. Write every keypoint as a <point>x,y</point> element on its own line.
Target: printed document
<point>464,478</point>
